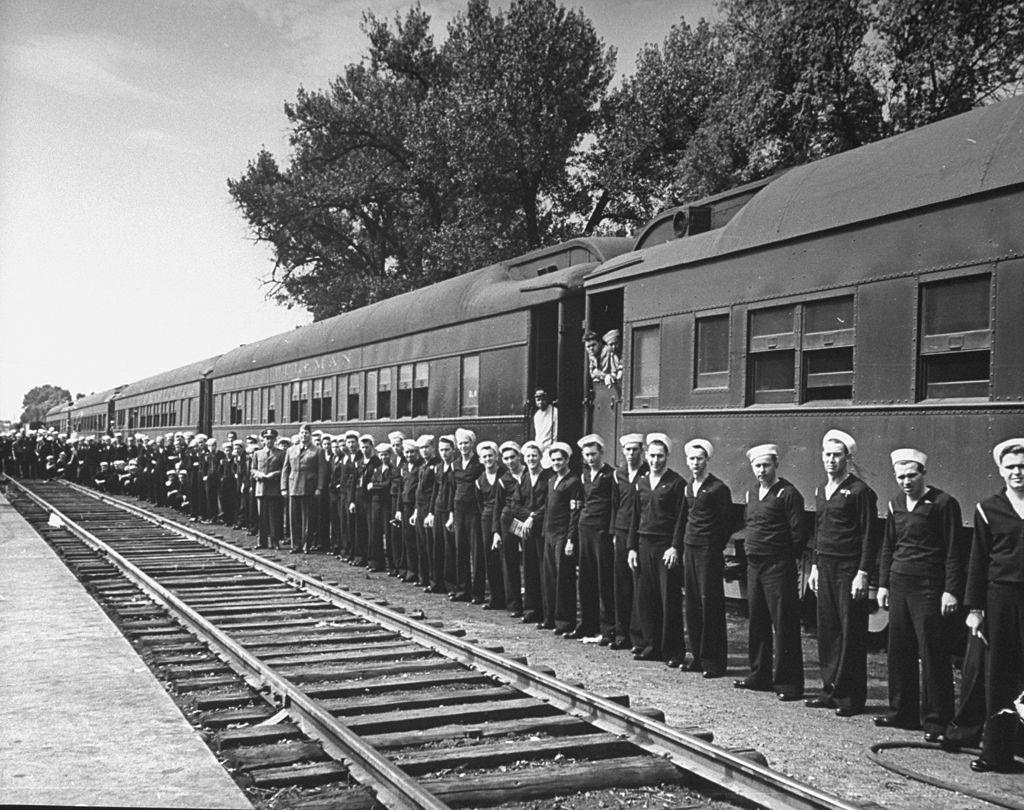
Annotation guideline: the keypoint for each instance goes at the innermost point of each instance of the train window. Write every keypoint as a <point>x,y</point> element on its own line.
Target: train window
<point>712,352</point>
<point>421,390</point>
<point>299,401</point>
<point>250,411</point>
<point>327,400</point>
<point>956,338</point>
<point>272,396</point>
<point>316,411</point>
<point>470,400</point>
<point>646,366</point>
<point>371,395</point>
<point>404,391</point>
<point>235,416</point>
<point>384,382</point>
<point>828,350</point>
<point>352,403</point>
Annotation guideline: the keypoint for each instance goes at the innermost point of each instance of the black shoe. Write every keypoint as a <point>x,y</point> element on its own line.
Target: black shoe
<point>713,673</point>
<point>694,666</point>
<point>516,614</point>
<point>605,641</point>
<point>490,606</point>
<point>574,634</point>
<point>847,711</point>
<point>673,663</point>
<point>619,645</point>
<point>646,654</point>
<point>559,631</point>
<point>478,601</point>
<point>981,765</point>
<point>636,649</point>
<point>819,703</point>
<point>891,721</point>
<point>529,618</point>
<point>788,697</point>
<point>542,626</point>
<point>932,736</point>
<point>753,686</point>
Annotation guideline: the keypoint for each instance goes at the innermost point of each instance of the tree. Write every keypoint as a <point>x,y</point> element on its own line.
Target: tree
<point>39,400</point>
<point>421,162</point>
<point>944,57</point>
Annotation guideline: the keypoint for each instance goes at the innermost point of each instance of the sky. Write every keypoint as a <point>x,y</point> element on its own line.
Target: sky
<point>122,254</point>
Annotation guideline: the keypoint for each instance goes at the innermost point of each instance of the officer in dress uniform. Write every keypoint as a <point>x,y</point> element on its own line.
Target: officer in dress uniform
<point>529,509</point>
<point>921,581</point>
<point>267,463</point>
<point>303,480</point>
<point>597,548</point>
<point>627,621</point>
<point>995,599</point>
<point>774,542</point>
<point>561,534</point>
<point>655,553</point>
<point>709,504</point>
<point>845,549</point>
<point>509,543</point>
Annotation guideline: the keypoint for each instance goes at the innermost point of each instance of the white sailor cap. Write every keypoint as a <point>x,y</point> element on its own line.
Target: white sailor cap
<point>699,444</point>
<point>384,447</point>
<point>841,436</point>
<point>509,445</point>
<point>590,438</point>
<point>464,434</point>
<point>487,445</point>
<point>424,440</point>
<point>396,435</point>
<point>409,444</point>
<point>762,450</point>
<point>367,437</point>
<point>559,447</point>
<point>352,434</point>
<point>631,438</point>
<point>1000,449</point>
<point>660,438</point>
<point>535,445</point>
<point>448,437</point>
<point>908,454</point>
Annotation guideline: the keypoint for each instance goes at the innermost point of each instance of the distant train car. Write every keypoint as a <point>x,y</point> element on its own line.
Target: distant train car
<point>176,400</point>
<point>465,351</point>
<point>57,418</point>
<point>93,413</point>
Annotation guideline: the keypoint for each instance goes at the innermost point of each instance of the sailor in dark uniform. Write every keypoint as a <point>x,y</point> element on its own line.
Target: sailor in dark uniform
<point>921,581</point>
<point>995,599</point>
<point>709,504</point>
<point>597,547</point>
<point>561,530</point>
<point>426,480</point>
<point>502,533</point>
<point>440,516</point>
<point>465,522</point>
<point>774,542</point>
<point>845,549</point>
<point>487,556</point>
<point>409,567</point>
<point>529,511</point>
<point>627,623</point>
<point>656,551</point>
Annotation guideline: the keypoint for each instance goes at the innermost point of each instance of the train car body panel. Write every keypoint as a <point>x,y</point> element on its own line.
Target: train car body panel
<point>165,402</point>
<point>93,413</point>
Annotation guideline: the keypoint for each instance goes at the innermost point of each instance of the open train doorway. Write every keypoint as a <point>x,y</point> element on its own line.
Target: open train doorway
<point>603,368</point>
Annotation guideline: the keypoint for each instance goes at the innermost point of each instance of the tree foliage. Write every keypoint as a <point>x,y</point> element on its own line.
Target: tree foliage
<point>41,399</point>
<point>425,159</point>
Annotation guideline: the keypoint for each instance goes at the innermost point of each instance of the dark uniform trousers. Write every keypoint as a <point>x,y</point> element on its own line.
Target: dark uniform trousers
<point>1004,675</point>
<point>842,632</point>
<point>659,597</point>
<point>301,517</point>
<point>597,582</point>
<point>627,619</point>
<point>271,524</point>
<point>533,556</point>
<point>558,584</point>
<point>443,537</point>
<point>511,568</point>
<point>460,547</point>
<point>424,549</point>
<point>919,631</point>
<point>703,570</point>
<point>776,658</point>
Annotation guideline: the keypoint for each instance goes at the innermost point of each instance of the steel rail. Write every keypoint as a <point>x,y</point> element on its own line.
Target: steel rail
<point>742,777</point>
<point>393,786</point>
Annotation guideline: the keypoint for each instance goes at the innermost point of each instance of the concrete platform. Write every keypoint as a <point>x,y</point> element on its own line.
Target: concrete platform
<point>82,719</point>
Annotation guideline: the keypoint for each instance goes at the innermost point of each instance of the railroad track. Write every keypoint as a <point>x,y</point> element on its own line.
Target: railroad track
<point>304,683</point>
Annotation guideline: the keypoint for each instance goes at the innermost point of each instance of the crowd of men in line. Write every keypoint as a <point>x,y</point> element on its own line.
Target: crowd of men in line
<point>629,556</point>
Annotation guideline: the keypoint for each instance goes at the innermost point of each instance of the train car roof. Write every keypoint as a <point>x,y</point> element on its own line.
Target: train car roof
<point>502,287</point>
<point>193,372</point>
<point>973,153</point>
<point>100,398</point>
<point>56,409</point>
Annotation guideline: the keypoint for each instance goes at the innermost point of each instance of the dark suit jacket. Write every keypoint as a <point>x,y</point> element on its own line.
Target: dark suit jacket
<point>304,471</point>
<point>270,461</point>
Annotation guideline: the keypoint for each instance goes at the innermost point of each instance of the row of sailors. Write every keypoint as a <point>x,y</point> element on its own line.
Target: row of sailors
<point>621,556</point>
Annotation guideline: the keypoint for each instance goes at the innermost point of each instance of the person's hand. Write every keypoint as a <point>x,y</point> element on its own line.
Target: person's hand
<point>949,603</point>
<point>882,597</point>
<point>670,557</point>
<point>812,579</point>
<point>631,560</point>
<point>974,621</point>
<point>859,586</point>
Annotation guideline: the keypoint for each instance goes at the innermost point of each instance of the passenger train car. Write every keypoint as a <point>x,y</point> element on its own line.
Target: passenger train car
<point>880,291</point>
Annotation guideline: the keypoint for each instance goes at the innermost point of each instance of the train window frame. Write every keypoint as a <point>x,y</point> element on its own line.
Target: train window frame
<point>705,379</point>
<point>817,363</point>
<point>469,397</point>
<point>406,376</point>
<point>421,393</point>
<point>944,355</point>
<point>637,379</point>
<point>371,401</point>
<point>385,386</point>
<point>353,396</point>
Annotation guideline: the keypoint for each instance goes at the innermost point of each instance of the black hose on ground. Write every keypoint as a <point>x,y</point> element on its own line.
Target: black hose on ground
<point>999,800</point>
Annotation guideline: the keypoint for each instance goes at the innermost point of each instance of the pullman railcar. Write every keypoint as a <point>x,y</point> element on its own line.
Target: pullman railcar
<point>57,418</point>
<point>464,351</point>
<point>176,400</point>
<point>93,413</point>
